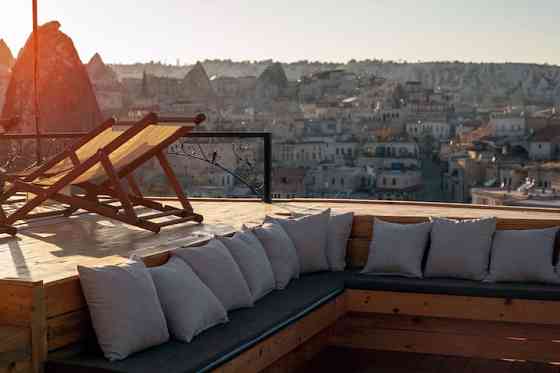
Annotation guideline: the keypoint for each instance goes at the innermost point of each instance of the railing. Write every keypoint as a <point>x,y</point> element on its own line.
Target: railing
<point>62,136</point>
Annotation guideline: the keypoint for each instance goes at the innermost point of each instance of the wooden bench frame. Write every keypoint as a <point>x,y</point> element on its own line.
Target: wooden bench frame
<point>43,318</point>
<point>494,328</point>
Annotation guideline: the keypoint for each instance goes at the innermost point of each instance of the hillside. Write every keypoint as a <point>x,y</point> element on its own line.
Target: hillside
<point>477,83</point>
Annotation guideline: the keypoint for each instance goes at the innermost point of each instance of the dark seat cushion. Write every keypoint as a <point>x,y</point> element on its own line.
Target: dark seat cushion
<point>453,287</point>
<point>221,343</point>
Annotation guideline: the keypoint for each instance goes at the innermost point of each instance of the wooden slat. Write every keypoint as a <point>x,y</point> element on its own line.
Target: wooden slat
<point>64,296</point>
<point>357,252</point>
<point>446,344</point>
<point>10,366</point>
<point>68,329</point>
<point>13,338</point>
<point>177,212</point>
<point>273,348</point>
<point>450,326</point>
<point>298,359</point>
<point>16,302</point>
<point>38,328</point>
<point>15,345</point>
<point>456,307</point>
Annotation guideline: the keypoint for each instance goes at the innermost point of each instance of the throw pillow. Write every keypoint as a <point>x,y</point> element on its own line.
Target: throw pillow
<point>124,307</point>
<point>189,306</point>
<point>215,266</point>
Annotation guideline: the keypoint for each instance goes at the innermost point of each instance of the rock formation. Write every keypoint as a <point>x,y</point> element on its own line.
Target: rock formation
<point>4,80</point>
<point>6,57</point>
<point>66,98</point>
<point>196,85</point>
<point>472,82</point>
<point>271,84</point>
<point>110,93</point>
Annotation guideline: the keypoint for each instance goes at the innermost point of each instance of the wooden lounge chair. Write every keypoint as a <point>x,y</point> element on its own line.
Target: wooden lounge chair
<point>102,164</point>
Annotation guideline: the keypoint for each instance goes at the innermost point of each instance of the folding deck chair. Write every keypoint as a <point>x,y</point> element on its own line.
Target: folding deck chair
<point>99,164</point>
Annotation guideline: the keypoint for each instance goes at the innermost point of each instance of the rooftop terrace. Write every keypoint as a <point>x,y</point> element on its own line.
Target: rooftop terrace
<point>49,249</point>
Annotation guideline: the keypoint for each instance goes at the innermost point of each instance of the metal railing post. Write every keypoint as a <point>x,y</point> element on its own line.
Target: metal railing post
<point>267,193</point>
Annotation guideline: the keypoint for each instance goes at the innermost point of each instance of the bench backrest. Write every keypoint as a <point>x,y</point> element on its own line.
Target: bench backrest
<point>362,232</point>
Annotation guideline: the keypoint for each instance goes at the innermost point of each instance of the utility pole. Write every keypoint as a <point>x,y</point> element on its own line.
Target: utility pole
<point>36,83</point>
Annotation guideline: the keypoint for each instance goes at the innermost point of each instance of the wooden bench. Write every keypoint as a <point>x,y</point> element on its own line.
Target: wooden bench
<point>486,327</point>
<point>50,318</point>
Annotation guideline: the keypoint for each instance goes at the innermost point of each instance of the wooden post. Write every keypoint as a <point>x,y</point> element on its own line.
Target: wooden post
<point>38,328</point>
<point>173,181</point>
<point>121,193</point>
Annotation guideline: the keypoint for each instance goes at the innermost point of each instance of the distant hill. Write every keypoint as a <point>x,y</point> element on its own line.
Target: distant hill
<point>481,83</point>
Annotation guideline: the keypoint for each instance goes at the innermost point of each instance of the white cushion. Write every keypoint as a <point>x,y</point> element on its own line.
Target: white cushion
<point>280,251</point>
<point>250,256</point>
<point>340,227</point>
<point>124,307</point>
<point>460,248</point>
<point>397,249</point>
<point>189,305</point>
<point>309,235</point>
<point>339,230</point>
<point>215,266</point>
<point>523,256</point>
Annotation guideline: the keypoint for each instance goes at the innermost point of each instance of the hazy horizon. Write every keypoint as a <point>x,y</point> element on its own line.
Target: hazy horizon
<point>128,31</point>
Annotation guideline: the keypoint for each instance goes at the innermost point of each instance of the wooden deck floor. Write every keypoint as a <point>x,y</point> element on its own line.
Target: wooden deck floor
<point>50,249</point>
<point>370,361</point>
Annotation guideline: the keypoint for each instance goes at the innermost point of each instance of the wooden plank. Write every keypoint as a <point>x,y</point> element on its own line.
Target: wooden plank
<point>68,329</point>
<point>446,344</point>
<point>273,348</point>
<point>11,366</point>
<point>38,329</point>
<point>17,302</point>
<point>298,359</point>
<point>64,296</point>
<point>15,338</point>
<point>357,252</point>
<point>177,187</point>
<point>15,349</point>
<point>456,307</point>
<point>451,326</point>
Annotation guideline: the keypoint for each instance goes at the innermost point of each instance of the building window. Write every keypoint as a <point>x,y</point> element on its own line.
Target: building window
<point>394,181</point>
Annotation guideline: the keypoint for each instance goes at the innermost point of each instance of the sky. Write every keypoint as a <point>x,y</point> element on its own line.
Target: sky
<point>127,31</point>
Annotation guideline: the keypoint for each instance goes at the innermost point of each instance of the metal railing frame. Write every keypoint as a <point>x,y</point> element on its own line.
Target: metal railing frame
<point>265,136</point>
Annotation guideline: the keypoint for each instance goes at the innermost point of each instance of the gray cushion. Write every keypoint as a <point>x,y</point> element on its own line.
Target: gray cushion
<point>250,256</point>
<point>188,304</point>
<point>209,350</point>
<point>340,228</point>
<point>460,248</point>
<point>448,286</point>
<point>397,249</point>
<point>124,308</point>
<point>523,256</point>
<point>215,266</point>
<point>309,235</point>
<point>280,251</point>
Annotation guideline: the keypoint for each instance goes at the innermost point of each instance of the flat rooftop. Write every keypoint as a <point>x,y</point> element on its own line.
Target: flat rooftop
<point>49,249</point>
